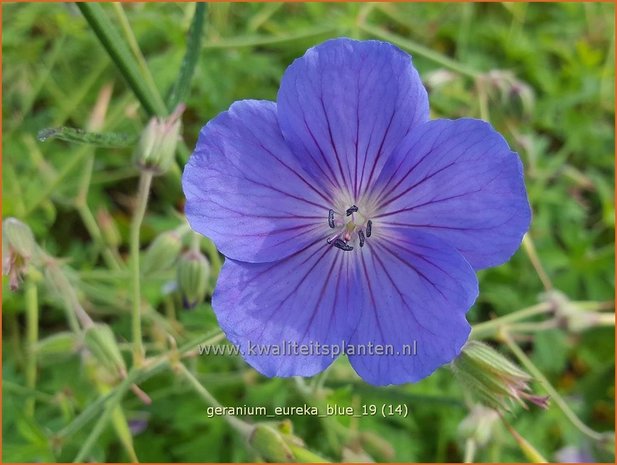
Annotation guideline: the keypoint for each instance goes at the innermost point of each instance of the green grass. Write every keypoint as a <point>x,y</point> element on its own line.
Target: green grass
<point>542,74</point>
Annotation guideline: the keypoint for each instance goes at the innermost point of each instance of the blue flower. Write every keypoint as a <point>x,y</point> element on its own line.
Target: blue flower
<point>349,219</point>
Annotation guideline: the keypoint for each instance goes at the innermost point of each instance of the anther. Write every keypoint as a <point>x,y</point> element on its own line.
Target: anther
<point>369,227</point>
<point>341,244</point>
<point>331,218</point>
<point>361,236</point>
<point>351,210</point>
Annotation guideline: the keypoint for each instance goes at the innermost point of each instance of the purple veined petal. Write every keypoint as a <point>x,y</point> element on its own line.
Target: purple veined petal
<point>247,192</point>
<point>345,105</point>
<point>460,181</point>
<point>301,300</point>
<point>417,290</point>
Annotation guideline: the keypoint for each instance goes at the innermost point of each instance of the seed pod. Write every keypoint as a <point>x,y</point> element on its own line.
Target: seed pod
<point>192,277</point>
<point>162,252</point>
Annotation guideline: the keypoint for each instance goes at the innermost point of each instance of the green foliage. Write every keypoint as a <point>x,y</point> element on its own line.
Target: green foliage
<point>543,74</point>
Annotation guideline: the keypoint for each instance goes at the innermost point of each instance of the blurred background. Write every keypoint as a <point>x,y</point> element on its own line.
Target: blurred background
<point>542,74</point>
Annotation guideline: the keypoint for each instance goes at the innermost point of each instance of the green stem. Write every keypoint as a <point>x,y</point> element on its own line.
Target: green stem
<point>419,49</point>
<point>255,41</point>
<point>530,250</point>
<point>142,201</point>
<point>239,425</point>
<point>537,374</point>
<point>32,335</point>
<point>111,259</point>
<point>470,450</point>
<point>492,327</point>
<point>110,402</point>
<point>81,203</point>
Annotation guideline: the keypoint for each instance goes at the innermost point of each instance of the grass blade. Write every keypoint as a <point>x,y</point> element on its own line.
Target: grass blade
<point>121,56</point>
<point>181,87</point>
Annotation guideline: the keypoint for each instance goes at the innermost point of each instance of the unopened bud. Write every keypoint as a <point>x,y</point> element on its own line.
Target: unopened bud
<point>493,378</point>
<point>18,248</point>
<point>162,252</point>
<point>157,145</point>
<point>192,277</point>
<point>101,342</point>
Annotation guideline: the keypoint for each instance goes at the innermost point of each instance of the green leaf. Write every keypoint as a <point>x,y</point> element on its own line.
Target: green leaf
<point>121,56</point>
<point>182,85</point>
<point>79,136</point>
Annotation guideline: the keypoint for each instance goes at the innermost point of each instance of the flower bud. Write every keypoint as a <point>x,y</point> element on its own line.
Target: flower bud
<point>18,247</point>
<point>101,342</point>
<point>192,277</point>
<point>162,252</point>
<point>157,145</point>
<point>494,379</point>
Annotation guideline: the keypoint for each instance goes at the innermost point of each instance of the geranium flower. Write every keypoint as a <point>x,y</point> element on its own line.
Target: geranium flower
<point>349,219</point>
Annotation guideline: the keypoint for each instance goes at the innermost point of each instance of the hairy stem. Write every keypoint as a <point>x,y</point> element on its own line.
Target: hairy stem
<point>138,216</point>
<point>32,333</point>
<point>561,403</point>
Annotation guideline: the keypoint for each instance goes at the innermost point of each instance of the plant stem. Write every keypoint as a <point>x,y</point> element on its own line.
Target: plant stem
<point>537,374</point>
<point>32,335</point>
<point>239,425</point>
<point>491,328</point>
<point>470,450</point>
<point>143,192</point>
<point>530,250</point>
<point>419,49</point>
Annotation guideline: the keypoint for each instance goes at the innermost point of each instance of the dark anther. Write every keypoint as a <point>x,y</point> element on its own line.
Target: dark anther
<point>351,210</point>
<point>369,227</point>
<point>331,218</point>
<point>341,244</point>
<point>361,236</point>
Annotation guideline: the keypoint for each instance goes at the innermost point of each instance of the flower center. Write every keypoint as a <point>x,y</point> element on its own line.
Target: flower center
<point>350,226</point>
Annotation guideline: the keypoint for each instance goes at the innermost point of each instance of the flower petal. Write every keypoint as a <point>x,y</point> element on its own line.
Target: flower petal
<point>417,290</point>
<point>304,299</point>
<point>460,181</point>
<point>345,105</point>
<point>247,192</point>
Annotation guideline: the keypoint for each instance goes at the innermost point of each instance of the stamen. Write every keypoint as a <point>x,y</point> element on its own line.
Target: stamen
<point>331,218</point>
<point>361,236</point>
<point>351,210</point>
<point>369,228</point>
<point>341,244</point>
<point>332,238</point>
